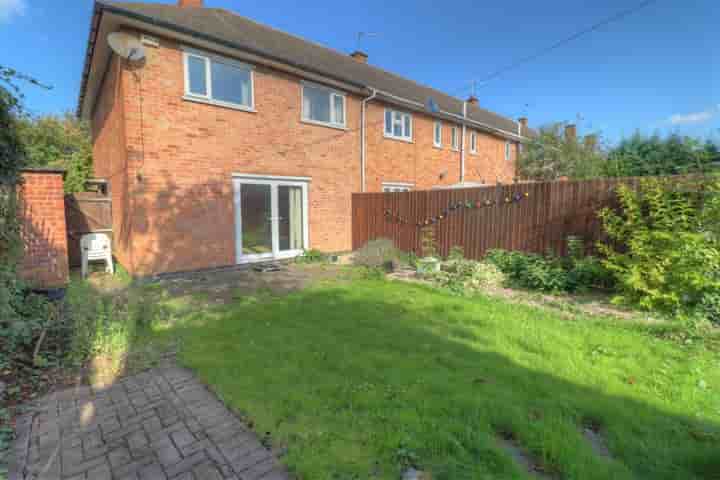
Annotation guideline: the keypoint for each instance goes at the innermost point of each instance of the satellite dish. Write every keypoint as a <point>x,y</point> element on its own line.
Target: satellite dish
<point>432,106</point>
<point>126,46</point>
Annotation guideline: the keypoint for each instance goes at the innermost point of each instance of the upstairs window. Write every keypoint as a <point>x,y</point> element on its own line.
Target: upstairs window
<point>398,125</point>
<point>396,187</point>
<point>454,138</point>
<point>322,105</point>
<point>218,80</point>
<point>473,142</point>
<point>437,134</point>
<point>508,151</point>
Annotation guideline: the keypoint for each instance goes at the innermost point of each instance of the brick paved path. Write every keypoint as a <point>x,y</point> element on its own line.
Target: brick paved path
<point>160,424</point>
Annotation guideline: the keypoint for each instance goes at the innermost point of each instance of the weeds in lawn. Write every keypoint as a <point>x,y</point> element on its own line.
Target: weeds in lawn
<point>370,378</point>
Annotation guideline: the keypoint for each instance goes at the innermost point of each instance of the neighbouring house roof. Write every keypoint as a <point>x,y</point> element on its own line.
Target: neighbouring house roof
<point>232,30</point>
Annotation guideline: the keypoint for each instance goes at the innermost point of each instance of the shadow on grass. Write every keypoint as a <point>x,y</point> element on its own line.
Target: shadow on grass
<point>368,379</point>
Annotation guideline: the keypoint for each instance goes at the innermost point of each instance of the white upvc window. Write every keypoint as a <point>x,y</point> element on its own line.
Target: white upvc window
<point>454,144</point>
<point>473,142</point>
<point>396,187</point>
<point>323,105</point>
<point>437,134</point>
<point>508,151</point>
<point>398,125</point>
<point>218,80</point>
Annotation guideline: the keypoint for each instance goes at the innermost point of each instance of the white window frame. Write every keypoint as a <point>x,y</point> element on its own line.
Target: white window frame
<point>208,98</point>
<point>473,142</point>
<point>333,93</point>
<point>238,179</point>
<point>403,138</point>
<point>454,141</point>
<point>388,187</point>
<point>508,151</point>
<point>437,128</point>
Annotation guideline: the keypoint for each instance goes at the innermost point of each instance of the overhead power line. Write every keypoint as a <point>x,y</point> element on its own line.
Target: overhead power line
<point>534,56</point>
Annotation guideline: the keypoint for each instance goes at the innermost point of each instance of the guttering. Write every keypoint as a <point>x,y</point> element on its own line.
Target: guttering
<point>92,38</point>
<point>363,108</point>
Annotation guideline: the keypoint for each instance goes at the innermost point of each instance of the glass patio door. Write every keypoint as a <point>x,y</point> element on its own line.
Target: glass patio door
<point>270,217</point>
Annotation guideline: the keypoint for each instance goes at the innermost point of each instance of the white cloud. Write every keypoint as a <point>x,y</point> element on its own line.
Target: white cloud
<point>11,8</point>
<point>695,117</point>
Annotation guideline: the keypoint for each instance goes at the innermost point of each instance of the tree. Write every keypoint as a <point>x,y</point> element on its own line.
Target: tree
<point>641,155</point>
<point>12,160</point>
<point>554,154</point>
<point>59,141</point>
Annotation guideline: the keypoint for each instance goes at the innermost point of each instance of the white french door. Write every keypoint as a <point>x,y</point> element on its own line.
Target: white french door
<point>271,219</point>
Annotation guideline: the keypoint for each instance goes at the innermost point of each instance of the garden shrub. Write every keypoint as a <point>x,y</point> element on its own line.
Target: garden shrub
<point>548,273</point>
<point>24,317</point>
<point>461,275</point>
<point>710,307</point>
<point>376,253</point>
<point>531,271</point>
<point>663,248</point>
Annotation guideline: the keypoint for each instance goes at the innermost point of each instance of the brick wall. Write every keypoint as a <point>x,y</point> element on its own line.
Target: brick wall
<point>42,211</point>
<point>423,164</point>
<point>173,205</point>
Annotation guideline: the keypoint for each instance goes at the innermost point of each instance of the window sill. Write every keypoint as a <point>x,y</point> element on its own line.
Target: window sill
<point>398,139</point>
<point>323,124</point>
<point>439,147</point>
<point>232,106</point>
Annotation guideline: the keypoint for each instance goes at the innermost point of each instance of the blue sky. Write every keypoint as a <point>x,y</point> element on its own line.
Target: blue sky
<point>657,70</point>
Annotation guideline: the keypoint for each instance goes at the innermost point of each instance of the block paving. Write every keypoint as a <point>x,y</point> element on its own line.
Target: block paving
<point>159,424</point>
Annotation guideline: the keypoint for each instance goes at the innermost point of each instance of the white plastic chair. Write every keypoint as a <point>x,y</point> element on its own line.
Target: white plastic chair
<point>96,246</point>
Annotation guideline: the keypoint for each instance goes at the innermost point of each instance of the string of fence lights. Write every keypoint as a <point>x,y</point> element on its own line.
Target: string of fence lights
<point>454,207</point>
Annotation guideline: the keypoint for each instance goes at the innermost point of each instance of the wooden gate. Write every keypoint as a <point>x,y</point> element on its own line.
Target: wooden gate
<point>87,212</point>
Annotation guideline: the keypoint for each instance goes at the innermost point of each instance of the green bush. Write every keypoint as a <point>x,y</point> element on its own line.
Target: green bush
<point>461,275</point>
<point>663,247</point>
<point>710,307</point>
<point>24,316</point>
<point>531,271</point>
<point>549,273</point>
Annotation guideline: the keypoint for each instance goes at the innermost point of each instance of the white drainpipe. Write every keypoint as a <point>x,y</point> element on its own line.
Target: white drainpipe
<point>363,149</point>
<point>462,146</point>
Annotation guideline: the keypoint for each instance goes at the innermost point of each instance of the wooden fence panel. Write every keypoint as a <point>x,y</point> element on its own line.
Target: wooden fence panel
<point>86,213</point>
<point>532,217</point>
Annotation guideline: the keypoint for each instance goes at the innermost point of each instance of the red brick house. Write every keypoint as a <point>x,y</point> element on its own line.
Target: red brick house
<point>232,142</point>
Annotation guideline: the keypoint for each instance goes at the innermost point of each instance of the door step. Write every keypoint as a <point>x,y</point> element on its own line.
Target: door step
<point>267,267</point>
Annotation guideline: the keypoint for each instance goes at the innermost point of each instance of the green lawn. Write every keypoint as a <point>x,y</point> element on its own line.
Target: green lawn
<point>359,379</point>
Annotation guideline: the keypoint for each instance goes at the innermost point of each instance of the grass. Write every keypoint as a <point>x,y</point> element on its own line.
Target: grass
<point>359,380</point>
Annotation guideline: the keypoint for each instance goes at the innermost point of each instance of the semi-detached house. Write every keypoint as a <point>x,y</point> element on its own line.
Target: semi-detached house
<point>232,142</point>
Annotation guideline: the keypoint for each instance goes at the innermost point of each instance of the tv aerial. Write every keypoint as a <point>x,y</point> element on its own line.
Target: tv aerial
<point>126,46</point>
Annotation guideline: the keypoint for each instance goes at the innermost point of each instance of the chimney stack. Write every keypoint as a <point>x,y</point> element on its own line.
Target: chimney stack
<point>570,132</point>
<point>190,3</point>
<point>590,141</point>
<point>472,99</point>
<point>359,56</point>
<point>523,121</point>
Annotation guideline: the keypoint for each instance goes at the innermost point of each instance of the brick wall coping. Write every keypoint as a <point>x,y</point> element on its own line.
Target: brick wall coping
<point>44,170</point>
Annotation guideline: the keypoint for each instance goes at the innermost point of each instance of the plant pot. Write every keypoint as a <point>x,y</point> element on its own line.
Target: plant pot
<point>428,266</point>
